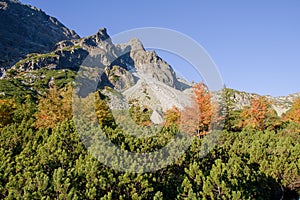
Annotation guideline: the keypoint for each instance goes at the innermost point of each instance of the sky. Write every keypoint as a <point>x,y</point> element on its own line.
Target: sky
<point>255,44</point>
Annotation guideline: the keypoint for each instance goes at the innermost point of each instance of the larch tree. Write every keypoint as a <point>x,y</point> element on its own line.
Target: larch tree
<point>259,115</point>
<point>197,118</point>
<point>7,107</point>
<point>103,112</point>
<point>55,107</point>
<point>294,113</point>
<point>172,116</point>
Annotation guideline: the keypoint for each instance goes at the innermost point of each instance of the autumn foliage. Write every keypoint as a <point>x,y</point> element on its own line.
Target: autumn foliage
<point>197,118</point>
<point>55,107</point>
<point>103,112</point>
<point>294,113</point>
<point>7,107</point>
<point>259,115</point>
<point>172,116</point>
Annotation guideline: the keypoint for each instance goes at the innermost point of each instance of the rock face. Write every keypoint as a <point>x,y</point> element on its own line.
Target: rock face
<point>118,62</point>
<point>156,118</point>
<point>283,103</point>
<point>150,63</point>
<point>25,29</point>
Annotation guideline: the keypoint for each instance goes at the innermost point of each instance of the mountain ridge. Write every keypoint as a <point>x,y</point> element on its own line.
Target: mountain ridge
<point>26,29</point>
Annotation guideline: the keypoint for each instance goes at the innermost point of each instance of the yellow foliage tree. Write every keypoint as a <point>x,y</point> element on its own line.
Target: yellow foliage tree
<point>55,107</point>
<point>7,107</point>
<point>103,112</point>
<point>172,116</point>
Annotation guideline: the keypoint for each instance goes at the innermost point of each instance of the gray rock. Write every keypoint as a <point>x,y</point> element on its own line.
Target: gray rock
<point>156,118</point>
<point>150,63</point>
<point>120,78</point>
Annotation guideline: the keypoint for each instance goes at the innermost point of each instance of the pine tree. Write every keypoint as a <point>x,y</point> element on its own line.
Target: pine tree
<point>232,116</point>
<point>140,114</point>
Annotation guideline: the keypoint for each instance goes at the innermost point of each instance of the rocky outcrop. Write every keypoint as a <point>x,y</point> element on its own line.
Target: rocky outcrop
<point>149,63</point>
<point>156,118</point>
<point>280,104</point>
<point>68,58</point>
<point>120,78</point>
<point>25,29</point>
<point>283,103</point>
<point>124,71</point>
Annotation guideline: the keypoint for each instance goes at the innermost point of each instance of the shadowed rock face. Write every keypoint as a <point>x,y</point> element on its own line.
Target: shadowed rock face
<point>25,29</point>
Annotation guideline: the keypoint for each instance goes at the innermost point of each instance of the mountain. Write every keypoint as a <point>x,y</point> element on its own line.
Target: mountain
<point>127,71</point>
<point>25,29</point>
<point>37,49</point>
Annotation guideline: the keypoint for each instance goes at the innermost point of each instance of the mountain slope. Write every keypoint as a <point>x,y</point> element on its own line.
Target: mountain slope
<point>25,29</point>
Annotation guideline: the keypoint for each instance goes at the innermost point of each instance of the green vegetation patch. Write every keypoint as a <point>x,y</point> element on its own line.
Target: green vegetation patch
<point>13,88</point>
<point>61,78</point>
<point>35,57</point>
<point>70,48</point>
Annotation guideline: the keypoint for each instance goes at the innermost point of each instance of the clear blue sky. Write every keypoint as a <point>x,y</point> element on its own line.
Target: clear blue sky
<point>255,44</point>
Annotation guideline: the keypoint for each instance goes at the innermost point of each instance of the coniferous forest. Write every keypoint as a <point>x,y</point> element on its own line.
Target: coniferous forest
<point>42,156</point>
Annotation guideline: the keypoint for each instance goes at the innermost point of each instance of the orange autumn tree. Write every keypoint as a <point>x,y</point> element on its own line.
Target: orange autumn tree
<point>259,115</point>
<point>294,113</point>
<point>197,118</point>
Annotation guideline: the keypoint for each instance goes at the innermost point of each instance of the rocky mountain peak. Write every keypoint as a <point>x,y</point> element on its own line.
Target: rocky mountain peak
<point>102,35</point>
<point>3,5</point>
<point>135,44</point>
